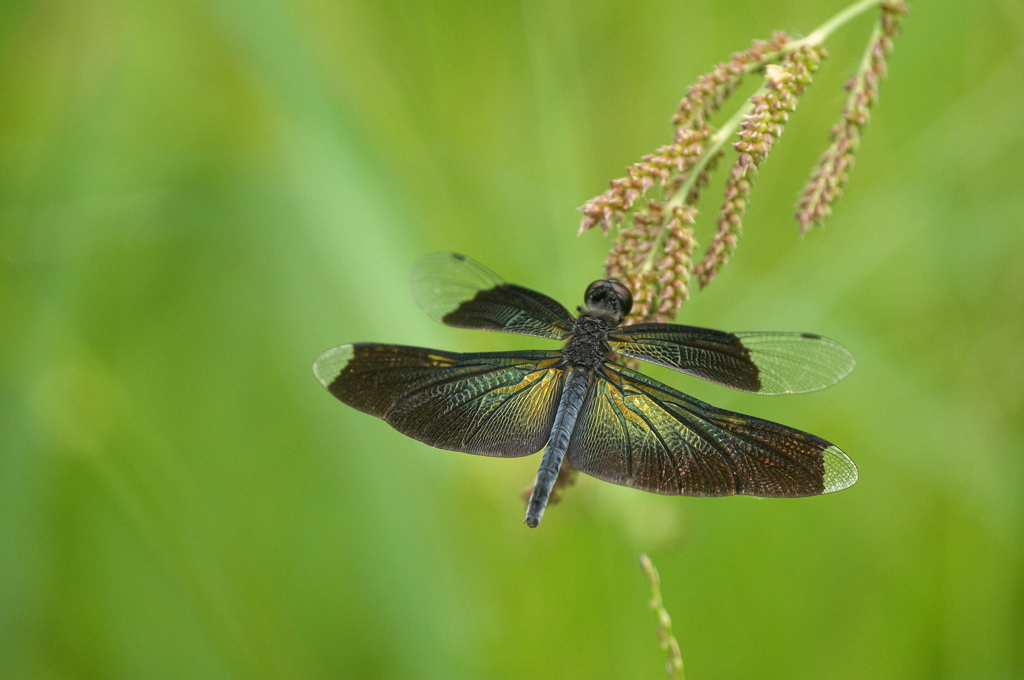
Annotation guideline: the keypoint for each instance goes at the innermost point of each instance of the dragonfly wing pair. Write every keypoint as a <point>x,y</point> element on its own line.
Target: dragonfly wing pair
<point>491,404</point>
<point>461,292</point>
<point>761,362</point>
<point>638,432</point>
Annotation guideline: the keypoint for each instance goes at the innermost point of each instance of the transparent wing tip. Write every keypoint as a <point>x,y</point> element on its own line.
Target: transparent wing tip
<point>844,369</point>
<point>840,471</point>
<point>440,282</point>
<point>789,372</point>
<point>329,365</point>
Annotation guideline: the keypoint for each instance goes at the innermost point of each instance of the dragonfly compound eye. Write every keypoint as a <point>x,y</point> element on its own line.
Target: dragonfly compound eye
<point>611,295</point>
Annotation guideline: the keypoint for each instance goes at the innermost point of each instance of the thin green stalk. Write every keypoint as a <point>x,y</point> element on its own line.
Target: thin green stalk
<point>674,662</point>
<point>865,61</point>
<point>821,33</point>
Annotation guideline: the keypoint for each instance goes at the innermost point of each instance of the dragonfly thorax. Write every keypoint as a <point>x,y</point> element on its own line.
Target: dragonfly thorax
<point>588,344</point>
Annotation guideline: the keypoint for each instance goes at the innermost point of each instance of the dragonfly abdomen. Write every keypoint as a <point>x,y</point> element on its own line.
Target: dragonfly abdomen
<point>569,405</point>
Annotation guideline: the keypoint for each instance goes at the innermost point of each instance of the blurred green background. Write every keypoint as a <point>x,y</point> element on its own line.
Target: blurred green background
<point>197,198</point>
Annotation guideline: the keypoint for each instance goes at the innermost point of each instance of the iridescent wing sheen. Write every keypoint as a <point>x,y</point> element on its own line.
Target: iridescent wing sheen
<point>766,363</point>
<point>637,432</point>
<point>492,404</point>
<point>461,292</point>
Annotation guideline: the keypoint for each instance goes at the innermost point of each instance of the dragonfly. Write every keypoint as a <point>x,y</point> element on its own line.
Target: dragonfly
<point>578,403</point>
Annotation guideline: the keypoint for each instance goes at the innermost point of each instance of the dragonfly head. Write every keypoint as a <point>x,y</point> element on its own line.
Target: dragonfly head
<point>611,296</point>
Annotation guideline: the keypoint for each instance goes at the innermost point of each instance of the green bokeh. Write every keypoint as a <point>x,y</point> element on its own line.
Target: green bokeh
<point>197,198</point>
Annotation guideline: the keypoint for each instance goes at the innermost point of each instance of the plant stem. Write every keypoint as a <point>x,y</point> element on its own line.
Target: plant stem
<point>865,61</point>
<point>822,32</point>
<point>674,662</point>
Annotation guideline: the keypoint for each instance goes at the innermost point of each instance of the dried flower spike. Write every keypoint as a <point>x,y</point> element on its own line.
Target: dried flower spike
<point>832,172</point>
<point>661,167</point>
<point>711,89</point>
<point>784,84</point>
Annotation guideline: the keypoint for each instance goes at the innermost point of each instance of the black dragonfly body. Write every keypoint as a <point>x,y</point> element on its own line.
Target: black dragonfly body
<point>611,422</point>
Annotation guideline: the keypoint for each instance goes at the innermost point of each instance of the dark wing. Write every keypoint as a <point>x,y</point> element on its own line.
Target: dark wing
<point>637,432</point>
<point>492,404</point>
<point>461,292</point>
<point>766,363</point>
